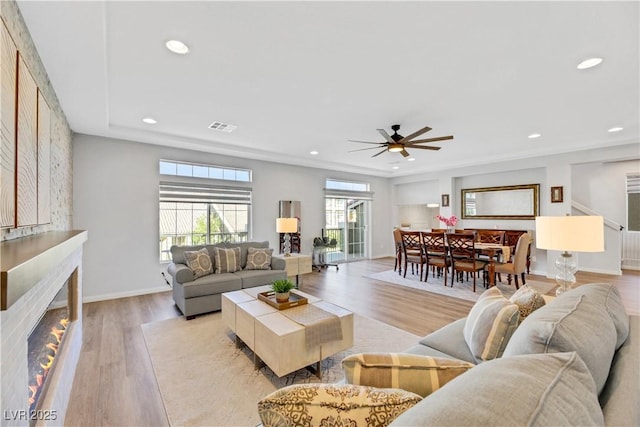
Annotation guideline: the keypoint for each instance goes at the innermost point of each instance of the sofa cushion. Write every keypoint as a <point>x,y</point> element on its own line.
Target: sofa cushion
<point>258,259</point>
<point>212,284</point>
<point>490,324</point>
<point>448,340</point>
<point>528,300</point>
<point>227,260</point>
<point>571,322</point>
<point>418,374</point>
<point>552,390</point>
<point>199,262</point>
<point>334,405</point>
<point>253,278</point>
<point>177,252</point>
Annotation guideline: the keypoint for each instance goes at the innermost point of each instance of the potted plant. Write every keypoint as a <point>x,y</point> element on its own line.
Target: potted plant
<point>282,287</point>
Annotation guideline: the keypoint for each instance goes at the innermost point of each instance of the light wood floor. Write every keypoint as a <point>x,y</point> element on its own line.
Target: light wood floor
<point>115,385</point>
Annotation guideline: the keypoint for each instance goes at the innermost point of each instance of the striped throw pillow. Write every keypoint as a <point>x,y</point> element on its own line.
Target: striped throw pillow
<point>491,322</point>
<point>227,260</point>
<point>418,374</point>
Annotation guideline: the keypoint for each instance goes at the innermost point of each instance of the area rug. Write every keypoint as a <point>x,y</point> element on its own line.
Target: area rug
<point>205,380</point>
<point>462,290</point>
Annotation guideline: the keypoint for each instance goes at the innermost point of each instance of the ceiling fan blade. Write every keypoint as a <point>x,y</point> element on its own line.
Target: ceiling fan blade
<point>428,147</point>
<point>383,151</point>
<point>439,138</point>
<point>416,133</point>
<point>386,136</point>
<point>404,153</point>
<point>363,149</point>
<point>366,142</point>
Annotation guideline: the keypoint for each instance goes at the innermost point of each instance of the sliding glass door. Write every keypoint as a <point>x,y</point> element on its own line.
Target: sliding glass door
<point>347,222</point>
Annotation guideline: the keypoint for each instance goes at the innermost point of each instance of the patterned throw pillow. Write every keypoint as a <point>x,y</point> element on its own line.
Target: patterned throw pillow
<point>199,262</point>
<point>227,260</point>
<point>418,374</point>
<point>528,300</point>
<point>334,405</point>
<point>258,259</point>
<point>490,324</point>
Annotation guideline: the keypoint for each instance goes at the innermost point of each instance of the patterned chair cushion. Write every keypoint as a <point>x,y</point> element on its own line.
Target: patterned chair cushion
<point>334,405</point>
<point>418,374</point>
<point>227,260</point>
<point>490,324</point>
<point>528,300</point>
<point>258,259</point>
<point>199,262</point>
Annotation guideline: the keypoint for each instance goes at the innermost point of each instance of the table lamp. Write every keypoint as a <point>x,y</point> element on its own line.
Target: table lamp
<point>286,226</point>
<point>569,234</point>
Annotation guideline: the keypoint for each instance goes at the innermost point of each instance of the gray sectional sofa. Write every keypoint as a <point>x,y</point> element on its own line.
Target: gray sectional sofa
<point>574,361</point>
<point>202,295</point>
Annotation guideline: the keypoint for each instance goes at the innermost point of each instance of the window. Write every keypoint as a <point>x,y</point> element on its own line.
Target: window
<point>334,184</point>
<point>169,167</point>
<point>196,214</point>
<point>633,201</point>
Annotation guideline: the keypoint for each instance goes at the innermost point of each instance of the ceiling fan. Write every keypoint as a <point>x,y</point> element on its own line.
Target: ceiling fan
<point>397,143</point>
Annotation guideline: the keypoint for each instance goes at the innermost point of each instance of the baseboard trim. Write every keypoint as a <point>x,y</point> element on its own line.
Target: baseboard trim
<point>116,295</point>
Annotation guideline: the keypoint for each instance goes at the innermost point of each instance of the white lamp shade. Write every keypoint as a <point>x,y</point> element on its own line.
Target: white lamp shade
<point>570,233</point>
<point>287,225</point>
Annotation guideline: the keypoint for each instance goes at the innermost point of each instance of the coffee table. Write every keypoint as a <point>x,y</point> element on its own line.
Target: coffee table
<point>275,339</point>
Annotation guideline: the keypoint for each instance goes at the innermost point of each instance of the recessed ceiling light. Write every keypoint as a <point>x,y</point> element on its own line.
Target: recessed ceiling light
<point>411,159</point>
<point>588,63</point>
<point>615,129</point>
<point>313,153</point>
<point>395,167</point>
<point>150,120</point>
<point>176,46</point>
<point>534,135</point>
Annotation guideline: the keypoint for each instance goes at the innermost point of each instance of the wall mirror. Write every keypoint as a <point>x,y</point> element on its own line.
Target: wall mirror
<point>510,202</point>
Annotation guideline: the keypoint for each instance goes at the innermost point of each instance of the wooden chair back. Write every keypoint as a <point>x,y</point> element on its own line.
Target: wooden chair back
<point>491,236</point>
<point>434,244</point>
<point>462,246</point>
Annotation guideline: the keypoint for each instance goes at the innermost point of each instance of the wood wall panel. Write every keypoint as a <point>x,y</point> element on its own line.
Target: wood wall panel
<point>27,148</point>
<point>8,58</point>
<point>44,161</point>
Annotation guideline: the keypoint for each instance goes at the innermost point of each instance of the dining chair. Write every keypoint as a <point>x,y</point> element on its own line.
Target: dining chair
<point>490,236</point>
<point>397,240</point>
<point>412,250</point>
<point>463,256</point>
<point>437,255</point>
<point>511,239</point>
<point>518,265</point>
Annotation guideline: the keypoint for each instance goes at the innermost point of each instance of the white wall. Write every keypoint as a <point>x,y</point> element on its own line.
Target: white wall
<point>115,193</point>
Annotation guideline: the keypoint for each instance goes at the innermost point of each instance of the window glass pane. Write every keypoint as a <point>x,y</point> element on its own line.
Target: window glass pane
<point>346,185</point>
<point>185,170</point>
<point>633,211</point>
<point>215,173</point>
<point>167,168</point>
<point>242,176</point>
<point>229,174</point>
<point>200,171</point>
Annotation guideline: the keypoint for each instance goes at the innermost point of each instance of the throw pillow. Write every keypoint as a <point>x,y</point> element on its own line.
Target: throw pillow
<point>490,324</point>
<point>227,260</point>
<point>334,405</point>
<point>199,262</point>
<point>258,259</point>
<point>530,390</point>
<point>418,374</point>
<point>528,300</point>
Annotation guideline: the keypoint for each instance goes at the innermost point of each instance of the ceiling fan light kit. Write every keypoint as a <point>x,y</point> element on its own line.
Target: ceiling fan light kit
<point>397,143</point>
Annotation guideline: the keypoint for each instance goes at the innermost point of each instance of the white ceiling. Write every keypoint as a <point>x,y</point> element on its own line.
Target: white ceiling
<point>302,76</point>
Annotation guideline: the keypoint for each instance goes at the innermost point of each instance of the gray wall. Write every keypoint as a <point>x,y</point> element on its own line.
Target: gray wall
<point>115,197</point>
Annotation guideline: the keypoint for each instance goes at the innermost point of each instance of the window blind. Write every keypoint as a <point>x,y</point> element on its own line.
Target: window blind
<point>633,183</point>
<point>198,193</point>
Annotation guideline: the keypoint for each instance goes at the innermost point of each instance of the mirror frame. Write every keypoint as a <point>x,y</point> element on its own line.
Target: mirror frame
<point>535,195</point>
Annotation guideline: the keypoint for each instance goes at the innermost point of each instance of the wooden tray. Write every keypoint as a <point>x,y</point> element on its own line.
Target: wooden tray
<point>270,298</point>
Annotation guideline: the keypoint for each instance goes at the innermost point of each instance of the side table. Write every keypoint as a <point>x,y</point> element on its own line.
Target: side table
<point>296,264</point>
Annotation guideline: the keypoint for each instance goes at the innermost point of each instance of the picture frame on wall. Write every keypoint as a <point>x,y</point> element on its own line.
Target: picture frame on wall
<point>445,200</point>
<point>556,195</point>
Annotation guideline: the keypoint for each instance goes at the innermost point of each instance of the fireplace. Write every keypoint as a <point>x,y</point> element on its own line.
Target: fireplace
<point>41,293</point>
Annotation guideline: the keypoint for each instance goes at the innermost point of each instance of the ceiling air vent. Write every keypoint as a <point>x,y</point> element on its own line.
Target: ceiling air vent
<point>223,127</point>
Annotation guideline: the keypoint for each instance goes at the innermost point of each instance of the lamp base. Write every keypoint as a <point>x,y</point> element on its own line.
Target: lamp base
<point>565,278</point>
<point>286,247</point>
